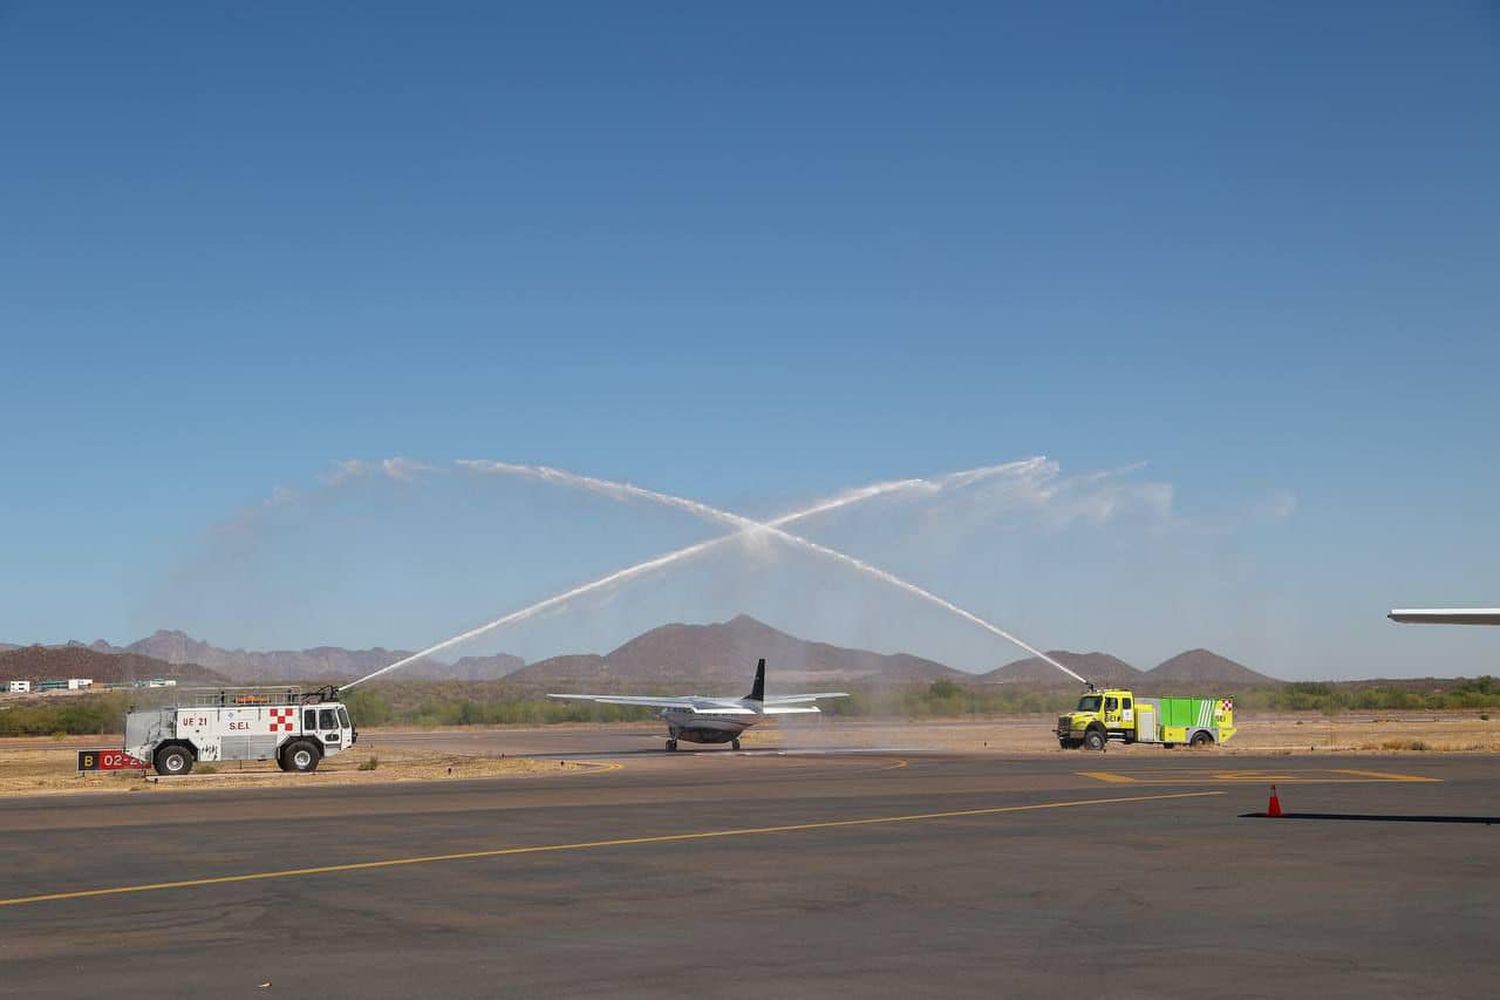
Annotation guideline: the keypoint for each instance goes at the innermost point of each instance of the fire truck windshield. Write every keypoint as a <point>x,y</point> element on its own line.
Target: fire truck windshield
<point>1089,703</point>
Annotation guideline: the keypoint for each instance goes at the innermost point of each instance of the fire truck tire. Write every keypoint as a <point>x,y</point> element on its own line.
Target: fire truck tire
<point>173,760</point>
<point>300,755</point>
<point>1201,739</point>
<point>1095,739</point>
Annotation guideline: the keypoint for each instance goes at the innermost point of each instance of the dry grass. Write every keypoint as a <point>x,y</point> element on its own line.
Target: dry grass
<point>27,769</point>
<point>1281,734</point>
<point>35,771</point>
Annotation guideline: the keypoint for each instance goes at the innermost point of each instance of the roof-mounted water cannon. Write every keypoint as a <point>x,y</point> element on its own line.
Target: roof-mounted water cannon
<point>328,692</point>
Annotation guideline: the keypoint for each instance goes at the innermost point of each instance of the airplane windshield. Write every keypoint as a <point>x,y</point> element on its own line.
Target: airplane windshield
<point>1089,703</point>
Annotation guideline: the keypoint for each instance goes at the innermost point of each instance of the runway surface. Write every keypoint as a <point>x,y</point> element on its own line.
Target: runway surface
<point>761,874</point>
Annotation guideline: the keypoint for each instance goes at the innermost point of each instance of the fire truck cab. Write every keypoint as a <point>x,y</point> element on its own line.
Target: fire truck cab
<point>295,729</point>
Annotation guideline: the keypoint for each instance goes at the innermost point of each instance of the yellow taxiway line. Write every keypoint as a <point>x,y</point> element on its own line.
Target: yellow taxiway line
<point>597,766</point>
<point>669,838</point>
<point>1386,776</point>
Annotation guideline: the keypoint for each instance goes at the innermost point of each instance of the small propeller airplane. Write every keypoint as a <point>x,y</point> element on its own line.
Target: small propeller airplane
<point>715,720</point>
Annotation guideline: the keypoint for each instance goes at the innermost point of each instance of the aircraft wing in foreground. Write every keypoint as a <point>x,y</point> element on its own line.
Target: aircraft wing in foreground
<point>714,720</point>
<point>1446,616</point>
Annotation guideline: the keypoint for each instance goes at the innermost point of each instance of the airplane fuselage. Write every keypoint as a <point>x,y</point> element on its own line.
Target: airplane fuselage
<point>705,726</point>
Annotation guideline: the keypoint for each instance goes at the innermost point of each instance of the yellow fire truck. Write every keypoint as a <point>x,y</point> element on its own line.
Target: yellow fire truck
<point>1117,714</point>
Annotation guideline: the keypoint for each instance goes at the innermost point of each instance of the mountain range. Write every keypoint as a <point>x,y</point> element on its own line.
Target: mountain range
<point>322,663</point>
<point>721,657</point>
<point>717,657</point>
<point>78,660</point>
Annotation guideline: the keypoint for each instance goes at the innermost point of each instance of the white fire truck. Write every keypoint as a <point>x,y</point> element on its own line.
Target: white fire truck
<point>295,729</point>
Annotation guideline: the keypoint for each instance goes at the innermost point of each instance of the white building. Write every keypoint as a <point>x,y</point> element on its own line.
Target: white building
<point>79,683</point>
<point>20,687</point>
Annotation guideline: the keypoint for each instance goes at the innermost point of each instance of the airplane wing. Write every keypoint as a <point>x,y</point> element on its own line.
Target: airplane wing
<point>803,699</point>
<point>1446,616</point>
<point>698,705</point>
<point>798,704</point>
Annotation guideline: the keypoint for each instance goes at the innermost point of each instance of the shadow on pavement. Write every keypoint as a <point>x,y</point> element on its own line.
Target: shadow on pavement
<point>1373,818</point>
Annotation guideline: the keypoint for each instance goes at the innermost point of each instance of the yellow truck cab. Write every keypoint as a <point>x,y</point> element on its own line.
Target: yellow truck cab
<point>1117,714</point>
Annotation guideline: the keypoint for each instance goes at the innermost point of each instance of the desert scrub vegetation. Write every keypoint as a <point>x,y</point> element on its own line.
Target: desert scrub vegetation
<point>484,703</point>
<point>71,715</point>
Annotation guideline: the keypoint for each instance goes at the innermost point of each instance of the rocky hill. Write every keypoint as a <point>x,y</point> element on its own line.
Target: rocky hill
<point>61,662</point>
<point>1202,666</point>
<point>720,659</point>
<point>1101,668</point>
<point>320,663</point>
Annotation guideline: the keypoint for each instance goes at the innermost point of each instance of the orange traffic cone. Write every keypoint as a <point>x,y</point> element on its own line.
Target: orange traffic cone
<point>1274,808</point>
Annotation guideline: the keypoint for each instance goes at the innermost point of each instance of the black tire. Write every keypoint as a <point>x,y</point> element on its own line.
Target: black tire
<point>1200,739</point>
<point>671,746</point>
<point>735,744</point>
<point>173,760</point>
<point>301,756</point>
<point>1095,739</point>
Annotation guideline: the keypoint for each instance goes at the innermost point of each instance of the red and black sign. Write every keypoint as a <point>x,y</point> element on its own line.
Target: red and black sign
<point>108,760</point>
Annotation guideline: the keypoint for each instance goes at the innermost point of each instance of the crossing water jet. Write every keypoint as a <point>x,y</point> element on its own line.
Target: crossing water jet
<point>749,526</point>
<point>746,526</point>
<point>650,565</point>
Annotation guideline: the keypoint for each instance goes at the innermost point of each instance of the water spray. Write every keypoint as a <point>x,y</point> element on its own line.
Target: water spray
<point>659,562</point>
<point>746,525</point>
<point>749,526</point>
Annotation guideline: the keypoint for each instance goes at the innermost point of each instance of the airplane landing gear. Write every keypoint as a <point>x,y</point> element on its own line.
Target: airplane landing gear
<point>671,745</point>
<point>735,744</point>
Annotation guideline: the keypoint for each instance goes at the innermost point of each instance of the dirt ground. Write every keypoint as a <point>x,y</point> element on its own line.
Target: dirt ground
<point>29,769</point>
<point>1288,733</point>
<point>43,765</point>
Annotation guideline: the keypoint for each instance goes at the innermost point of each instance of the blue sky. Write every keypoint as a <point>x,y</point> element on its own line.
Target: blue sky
<point>755,257</point>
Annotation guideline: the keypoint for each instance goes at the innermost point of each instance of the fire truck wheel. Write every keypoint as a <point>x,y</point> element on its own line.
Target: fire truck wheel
<point>173,760</point>
<point>1200,739</point>
<point>1094,739</point>
<point>300,755</point>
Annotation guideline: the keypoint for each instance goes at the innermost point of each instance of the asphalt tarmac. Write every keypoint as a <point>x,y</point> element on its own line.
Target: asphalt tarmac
<point>879,873</point>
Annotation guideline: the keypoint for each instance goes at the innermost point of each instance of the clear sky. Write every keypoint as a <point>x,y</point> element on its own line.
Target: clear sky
<point>755,255</point>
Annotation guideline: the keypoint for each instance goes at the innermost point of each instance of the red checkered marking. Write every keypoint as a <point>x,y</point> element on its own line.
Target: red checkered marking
<point>282,719</point>
<point>1227,705</point>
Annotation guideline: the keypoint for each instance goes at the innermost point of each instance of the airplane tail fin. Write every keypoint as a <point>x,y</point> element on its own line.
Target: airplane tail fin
<point>758,691</point>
